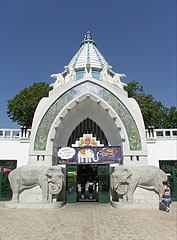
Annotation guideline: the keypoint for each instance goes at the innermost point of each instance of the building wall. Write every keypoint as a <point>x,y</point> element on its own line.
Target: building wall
<point>162,147</point>
<point>14,146</point>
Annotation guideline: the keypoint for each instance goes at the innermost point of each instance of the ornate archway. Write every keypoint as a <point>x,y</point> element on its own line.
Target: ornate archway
<point>113,113</point>
<point>85,127</point>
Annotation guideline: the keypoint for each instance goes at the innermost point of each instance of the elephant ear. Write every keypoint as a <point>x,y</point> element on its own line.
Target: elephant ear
<point>129,173</point>
<point>49,173</point>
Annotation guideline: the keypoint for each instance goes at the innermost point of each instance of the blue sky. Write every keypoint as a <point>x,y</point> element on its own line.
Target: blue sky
<point>39,37</point>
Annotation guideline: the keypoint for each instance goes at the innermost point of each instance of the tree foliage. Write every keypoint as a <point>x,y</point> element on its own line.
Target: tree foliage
<point>21,108</point>
<point>153,111</point>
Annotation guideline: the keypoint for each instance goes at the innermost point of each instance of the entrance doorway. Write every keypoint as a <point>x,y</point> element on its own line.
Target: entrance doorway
<point>87,183</point>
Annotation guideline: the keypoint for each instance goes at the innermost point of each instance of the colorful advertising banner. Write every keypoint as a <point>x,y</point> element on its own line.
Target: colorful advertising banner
<point>89,155</point>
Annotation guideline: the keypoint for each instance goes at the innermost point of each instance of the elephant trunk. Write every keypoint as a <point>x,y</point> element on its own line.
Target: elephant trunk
<point>97,157</point>
<point>55,187</point>
<point>121,188</point>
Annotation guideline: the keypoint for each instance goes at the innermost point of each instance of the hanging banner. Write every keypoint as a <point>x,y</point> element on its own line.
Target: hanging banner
<point>89,155</point>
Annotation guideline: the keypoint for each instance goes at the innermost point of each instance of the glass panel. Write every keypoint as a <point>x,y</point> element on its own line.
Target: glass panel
<point>96,73</point>
<point>79,73</point>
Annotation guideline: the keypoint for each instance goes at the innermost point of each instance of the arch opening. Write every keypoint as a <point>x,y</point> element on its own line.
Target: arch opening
<point>65,132</point>
<point>87,126</point>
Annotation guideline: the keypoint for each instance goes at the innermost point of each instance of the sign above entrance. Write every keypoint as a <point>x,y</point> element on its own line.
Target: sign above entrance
<point>66,153</point>
<point>89,155</point>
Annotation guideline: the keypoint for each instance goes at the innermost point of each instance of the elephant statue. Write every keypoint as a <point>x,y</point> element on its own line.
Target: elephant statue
<point>124,180</point>
<point>50,180</point>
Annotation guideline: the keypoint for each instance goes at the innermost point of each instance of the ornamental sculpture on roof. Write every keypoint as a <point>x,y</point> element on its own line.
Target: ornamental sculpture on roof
<point>88,36</point>
<point>88,63</point>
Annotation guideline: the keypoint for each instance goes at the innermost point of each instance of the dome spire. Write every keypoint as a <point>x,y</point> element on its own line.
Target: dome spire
<point>88,36</point>
<point>88,39</point>
<point>88,63</point>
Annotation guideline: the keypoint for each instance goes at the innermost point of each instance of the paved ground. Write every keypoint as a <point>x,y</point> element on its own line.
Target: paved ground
<point>90,221</point>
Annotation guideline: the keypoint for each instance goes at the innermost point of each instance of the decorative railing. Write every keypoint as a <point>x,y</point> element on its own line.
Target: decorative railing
<point>161,133</point>
<point>15,133</point>
<point>150,133</point>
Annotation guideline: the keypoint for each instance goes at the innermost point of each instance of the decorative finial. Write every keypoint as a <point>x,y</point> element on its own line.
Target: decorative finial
<point>88,36</point>
<point>88,39</point>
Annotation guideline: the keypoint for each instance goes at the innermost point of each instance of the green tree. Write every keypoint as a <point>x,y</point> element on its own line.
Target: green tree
<point>171,118</point>
<point>21,108</point>
<point>153,111</point>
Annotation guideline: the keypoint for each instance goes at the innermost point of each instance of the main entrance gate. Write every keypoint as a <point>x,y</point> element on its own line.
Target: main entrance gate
<point>87,171</point>
<point>84,188</point>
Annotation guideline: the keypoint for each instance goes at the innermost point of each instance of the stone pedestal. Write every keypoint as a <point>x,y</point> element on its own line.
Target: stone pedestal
<point>134,205</point>
<point>32,199</point>
<point>142,199</point>
<point>34,205</point>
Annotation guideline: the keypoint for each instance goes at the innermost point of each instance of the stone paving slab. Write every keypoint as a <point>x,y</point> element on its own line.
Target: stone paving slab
<point>88,221</point>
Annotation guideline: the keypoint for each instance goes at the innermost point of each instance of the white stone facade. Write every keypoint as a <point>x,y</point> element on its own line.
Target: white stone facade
<point>87,104</point>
